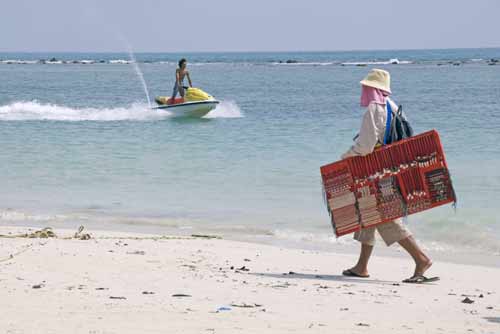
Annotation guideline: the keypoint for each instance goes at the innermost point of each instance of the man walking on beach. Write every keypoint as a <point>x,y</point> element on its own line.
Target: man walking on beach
<point>374,97</point>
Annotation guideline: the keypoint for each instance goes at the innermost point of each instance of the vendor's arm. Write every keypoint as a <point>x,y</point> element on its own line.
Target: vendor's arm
<point>368,135</point>
<point>189,79</point>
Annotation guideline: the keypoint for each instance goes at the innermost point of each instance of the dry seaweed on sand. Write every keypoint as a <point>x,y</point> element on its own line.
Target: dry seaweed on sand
<point>47,232</point>
<point>43,233</point>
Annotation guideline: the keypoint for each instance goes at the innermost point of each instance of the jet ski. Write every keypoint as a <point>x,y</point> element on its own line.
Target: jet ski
<point>195,103</point>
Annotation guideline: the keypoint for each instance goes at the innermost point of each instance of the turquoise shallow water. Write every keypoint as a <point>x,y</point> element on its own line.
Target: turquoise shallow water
<point>79,143</point>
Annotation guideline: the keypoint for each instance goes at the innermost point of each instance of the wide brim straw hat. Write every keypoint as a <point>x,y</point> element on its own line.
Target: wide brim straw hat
<point>379,79</point>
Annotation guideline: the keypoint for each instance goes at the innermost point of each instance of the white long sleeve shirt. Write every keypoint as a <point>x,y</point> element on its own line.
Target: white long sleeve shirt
<point>372,129</point>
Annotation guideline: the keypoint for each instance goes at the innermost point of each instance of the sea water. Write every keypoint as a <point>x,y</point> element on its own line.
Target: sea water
<point>79,144</point>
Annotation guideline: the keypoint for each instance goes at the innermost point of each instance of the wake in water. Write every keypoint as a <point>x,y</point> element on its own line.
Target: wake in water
<point>26,111</point>
<point>23,111</point>
<point>226,109</point>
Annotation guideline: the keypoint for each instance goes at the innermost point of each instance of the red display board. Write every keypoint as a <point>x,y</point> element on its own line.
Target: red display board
<point>394,181</point>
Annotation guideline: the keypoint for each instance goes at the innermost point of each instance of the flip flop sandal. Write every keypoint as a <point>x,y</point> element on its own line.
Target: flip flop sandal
<point>420,279</point>
<point>350,273</point>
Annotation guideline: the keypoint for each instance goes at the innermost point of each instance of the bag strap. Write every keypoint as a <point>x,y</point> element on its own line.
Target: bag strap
<point>388,123</point>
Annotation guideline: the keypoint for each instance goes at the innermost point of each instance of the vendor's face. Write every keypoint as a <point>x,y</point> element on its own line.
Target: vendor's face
<point>184,65</point>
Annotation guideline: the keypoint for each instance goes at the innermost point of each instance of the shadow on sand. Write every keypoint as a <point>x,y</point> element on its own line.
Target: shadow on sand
<point>334,278</point>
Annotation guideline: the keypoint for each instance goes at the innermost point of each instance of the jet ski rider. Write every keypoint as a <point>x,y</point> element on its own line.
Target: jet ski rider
<point>180,74</point>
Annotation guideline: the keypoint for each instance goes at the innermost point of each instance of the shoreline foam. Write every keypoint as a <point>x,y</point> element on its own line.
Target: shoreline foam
<point>287,239</point>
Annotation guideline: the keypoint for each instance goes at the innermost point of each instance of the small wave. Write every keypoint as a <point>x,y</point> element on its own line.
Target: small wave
<point>206,63</point>
<point>298,236</point>
<point>18,62</point>
<point>24,111</point>
<point>64,62</point>
<point>226,109</point>
<point>10,215</point>
<point>312,63</point>
<point>120,61</point>
<point>470,229</point>
<point>394,61</point>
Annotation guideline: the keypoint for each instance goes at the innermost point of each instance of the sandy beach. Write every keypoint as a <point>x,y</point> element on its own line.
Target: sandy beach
<point>131,283</point>
<point>221,177</point>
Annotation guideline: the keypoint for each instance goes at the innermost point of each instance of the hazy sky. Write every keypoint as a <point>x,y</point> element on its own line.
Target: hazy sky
<point>251,25</point>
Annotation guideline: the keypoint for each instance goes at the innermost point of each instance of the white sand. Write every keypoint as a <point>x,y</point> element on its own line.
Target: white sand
<point>79,279</point>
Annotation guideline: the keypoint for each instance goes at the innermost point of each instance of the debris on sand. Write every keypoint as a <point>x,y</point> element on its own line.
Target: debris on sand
<point>82,236</point>
<point>205,236</point>
<point>223,308</point>
<point>137,253</point>
<point>245,305</point>
<point>243,269</point>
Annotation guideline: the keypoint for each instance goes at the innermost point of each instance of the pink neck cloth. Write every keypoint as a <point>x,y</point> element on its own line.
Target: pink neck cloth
<point>370,94</point>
